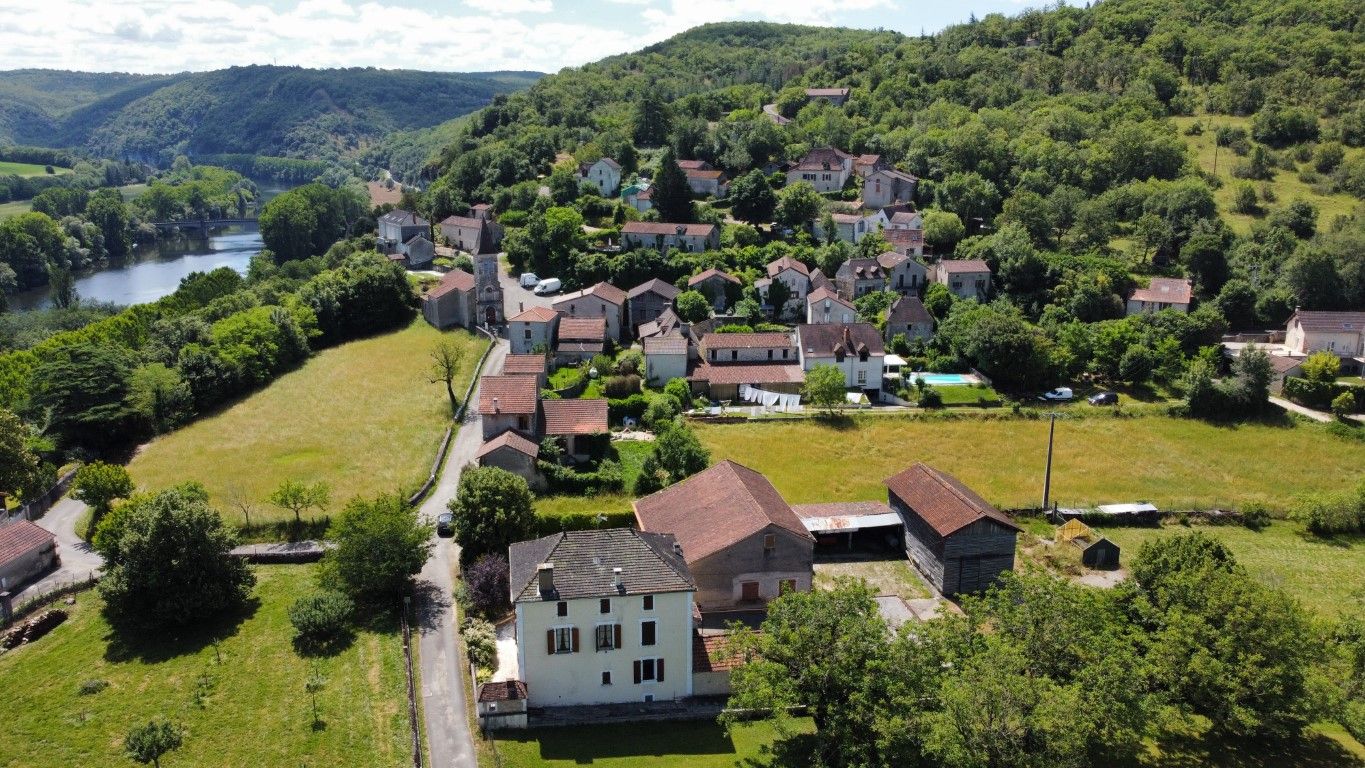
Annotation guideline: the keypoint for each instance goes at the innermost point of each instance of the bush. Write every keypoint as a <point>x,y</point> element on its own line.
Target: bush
<point>678,388</point>
<point>1255,516</point>
<point>1343,404</point>
<point>1244,199</point>
<point>630,362</point>
<point>633,406</point>
<point>92,687</point>
<point>661,410</point>
<point>1327,514</point>
<point>481,641</point>
<point>930,398</point>
<point>486,586</point>
<point>321,620</point>
<point>621,386</point>
<point>607,478</point>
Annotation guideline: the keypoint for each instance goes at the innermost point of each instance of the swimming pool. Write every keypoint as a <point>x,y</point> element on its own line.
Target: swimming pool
<point>942,379</point>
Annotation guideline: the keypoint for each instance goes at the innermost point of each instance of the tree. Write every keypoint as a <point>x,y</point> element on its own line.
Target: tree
<point>973,198</point>
<point>18,464</point>
<point>678,451</point>
<point>1322,366</point>
<point>380,544</point>
<point>651,120</point>
<point>99,484</point>
<point>778,297</point>
<point>287,223</point>
<point>107,211</point>
<point>313,686</point>
<point>798,204</point>
<point>1237,301</point>
<point>320,620</point>
<point>942,230</point>
<point>938,300</point>
<point>672,195</point>
<point>446,359</point>
<point>168,561</point>
<point>692,306</point>
<point>1159,561</point>
<point>85,389</point>
<point>62,286</point>
<point>297,496</point>
<point>752,198</point>
<point>872,306</point>
<point>149,743</point>
<point>824,387</point>
<point>486,583</point>
<point>996,339</point>
<point>1135,367</point>
<point>492,509</point>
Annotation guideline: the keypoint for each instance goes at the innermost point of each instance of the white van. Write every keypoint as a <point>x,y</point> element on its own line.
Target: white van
<point>548,286</point>
<point>529,280</point>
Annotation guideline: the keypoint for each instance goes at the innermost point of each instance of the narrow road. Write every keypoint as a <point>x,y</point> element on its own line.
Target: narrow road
<point>78,559</point>
<point>443,676</point>
<point>1301,410</point>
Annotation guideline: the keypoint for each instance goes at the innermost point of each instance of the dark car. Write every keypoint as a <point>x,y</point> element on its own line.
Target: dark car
<point>445,524</point>
<point>1104,398</point>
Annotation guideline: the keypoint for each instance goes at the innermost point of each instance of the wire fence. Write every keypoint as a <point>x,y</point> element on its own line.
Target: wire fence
<point>412,688</point>
<point>49,593</point>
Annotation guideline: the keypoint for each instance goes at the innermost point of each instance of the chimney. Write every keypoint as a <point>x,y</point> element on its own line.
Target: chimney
<point>495,405</point>
<point>677,549</point>
<point>616,579</point>
<point>546,574</point>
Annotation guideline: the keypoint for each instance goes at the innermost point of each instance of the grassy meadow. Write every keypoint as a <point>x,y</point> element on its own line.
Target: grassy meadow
<point>29,169</point>
<point>362,417</point>
<point>252,708</point>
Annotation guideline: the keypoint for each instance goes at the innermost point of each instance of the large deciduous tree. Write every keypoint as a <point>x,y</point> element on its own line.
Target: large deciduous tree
<point>381,544</point>
<point>824,387</point>
<point>752,198</point>
<point>492,509</point>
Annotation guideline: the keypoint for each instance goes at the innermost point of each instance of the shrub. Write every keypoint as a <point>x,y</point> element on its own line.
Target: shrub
<point>1343,404</point>
<point>930,398</point>
<point>621,386</point>
<point>678,388</point>
<point>1326,514</point>
<point>92,687</point>
<point>633,406</point>
<point>607,478</point>
<point>481,640</point>
<point>486,585</point>
<point>1244,199</point>
<point>661,410</point>
<point>1255,516</point>
<point>630,362</point>
<point>321,619</point>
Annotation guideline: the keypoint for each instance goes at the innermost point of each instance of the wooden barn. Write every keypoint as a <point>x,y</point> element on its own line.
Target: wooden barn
<point>956,538</point>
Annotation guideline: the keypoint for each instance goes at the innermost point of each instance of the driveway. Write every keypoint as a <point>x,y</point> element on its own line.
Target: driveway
<point>517,299</point>
<point>79,561</point>
<point>443,676</point>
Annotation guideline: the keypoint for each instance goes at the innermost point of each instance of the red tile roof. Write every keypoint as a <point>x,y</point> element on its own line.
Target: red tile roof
<point>669,344</point>
<point>775,339</point>
<point>709,654</point>
<point>535,315</point>
<point>454,280</point>
<point>20,538</point>
<point>909,310</point>
<point>583,328</point>
<point>605,291</point>
<point>514,394</point>
<point>502,690</point>
<point>575,417</point>
<point>942,501</point>
<point>1326,321</point>
<point>716,508</point>
<point>1169,290</point>
<point>824,292</point>
<point>665,228</point>
<point>825,339</point>
<point>754,373</point>
<point>786,262</point>
<point>524,364</point>
<point>964,265</point>
<point>695,165</point>
<point>710,273</point>
<point>701,173</point>
<point>509,439</point>
<point>822,159</point>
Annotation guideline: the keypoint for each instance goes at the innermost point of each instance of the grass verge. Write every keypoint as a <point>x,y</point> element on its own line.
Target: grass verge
<point>702,744</point>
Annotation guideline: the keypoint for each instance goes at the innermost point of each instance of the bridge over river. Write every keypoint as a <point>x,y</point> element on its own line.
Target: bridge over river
<point>204,224</point>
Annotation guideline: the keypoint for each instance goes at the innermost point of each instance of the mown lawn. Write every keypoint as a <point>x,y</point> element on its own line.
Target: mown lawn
<point>702,744</point>
<point>1323,573</point>
<point>362,417</point>
<point>29,169</point>
<point>963,394</point>
<point>1099,458</point>
<point>255,712</point>
<point>631,454</point>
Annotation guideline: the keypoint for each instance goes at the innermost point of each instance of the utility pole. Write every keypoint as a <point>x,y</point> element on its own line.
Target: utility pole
<point>1047,475</point>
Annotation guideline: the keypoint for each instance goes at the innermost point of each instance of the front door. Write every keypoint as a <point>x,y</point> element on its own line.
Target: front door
<point>490,316</point>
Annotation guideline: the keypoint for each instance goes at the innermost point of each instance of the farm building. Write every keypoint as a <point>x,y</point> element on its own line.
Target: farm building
<point>956,538</point>
<point>25,552</point>
<point>1096,551</point>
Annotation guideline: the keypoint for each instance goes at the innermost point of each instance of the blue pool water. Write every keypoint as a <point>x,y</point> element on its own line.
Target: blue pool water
<point>941,379</point>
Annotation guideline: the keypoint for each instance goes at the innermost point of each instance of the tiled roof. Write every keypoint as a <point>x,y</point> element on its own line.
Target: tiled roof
<point>709,655</point>
<point>825,339</point>
<point>502,690</point>
<point>826,91</point>
<point>454,280</point>
<point>774,339</point>
<point>583,563</point>
<point>822,159</point>
<point>19,538</point>
<point>671,344</point>
<point>404,218</point>
<point>1330,322</point>
<point>952,266</point>
<point>942,501</point>
<point>818,279</point>
<point>694,165</point>
<point>575,417</point>
<point>535,315</point>
<point>1169,290</point>
<point>909,310</point>
<point>862,269</point>
<point>654,285</point>
<point>841,509</point>
<point>700,173</point>
<point>1285,363</point>
<point>591,347</point>
<point>904,238</point>
<point>524,364</point>
<point>514,394</point>
<point>509,439</point>
<point>786,262</point>
<point>846,218</point>
<point>665,228</point>
<point>757,374</point>
<point>461,221</point>
<point>895,174</point>
<point>605,291</point>
<point>821,294</point>
<point>715,508</point>
<point>890,259</point>
<point>583,328</point>
<point>907,219</point>
<point>610,162</point>
<point>710,273</point>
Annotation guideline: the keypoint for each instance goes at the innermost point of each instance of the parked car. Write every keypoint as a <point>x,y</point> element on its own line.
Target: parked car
<point>1104,398</point>
<point>445,524</point>
<point>1060,394</point>
<point>548,286</point>
<point>529,280</point>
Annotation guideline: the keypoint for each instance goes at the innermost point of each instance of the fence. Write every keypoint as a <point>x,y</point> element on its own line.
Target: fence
<point>36,507</point>
<point>30,602</point>
<point>412,689</point>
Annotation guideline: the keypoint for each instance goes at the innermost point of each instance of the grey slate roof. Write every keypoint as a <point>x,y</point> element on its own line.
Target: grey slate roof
<point>583,563</point>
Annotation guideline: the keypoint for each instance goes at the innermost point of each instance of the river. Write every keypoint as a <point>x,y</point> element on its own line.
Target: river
<point>155,270</point>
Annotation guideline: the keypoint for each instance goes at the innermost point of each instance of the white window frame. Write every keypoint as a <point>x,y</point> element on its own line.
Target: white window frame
<point>611,636</point>
<point>653,679</point>
<point>567,629</point>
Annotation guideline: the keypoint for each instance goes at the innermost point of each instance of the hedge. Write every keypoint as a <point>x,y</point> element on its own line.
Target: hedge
<point>584,521</point>
<point>1320,394</point>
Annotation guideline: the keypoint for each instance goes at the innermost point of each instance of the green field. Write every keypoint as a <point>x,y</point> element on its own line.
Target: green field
<point>28,169</point>
<point>255,714</point>
<point>659,745</point>
<point>1099,458</point>
<point>16,207</point>
<point>363,417</point>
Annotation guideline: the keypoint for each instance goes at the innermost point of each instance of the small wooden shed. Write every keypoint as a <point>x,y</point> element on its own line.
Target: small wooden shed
<point>1098,552</point>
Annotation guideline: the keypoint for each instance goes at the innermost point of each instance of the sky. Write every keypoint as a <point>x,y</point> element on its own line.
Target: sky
<point>157,36</point>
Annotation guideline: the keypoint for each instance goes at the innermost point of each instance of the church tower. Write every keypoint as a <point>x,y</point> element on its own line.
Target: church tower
<point>488,289</point>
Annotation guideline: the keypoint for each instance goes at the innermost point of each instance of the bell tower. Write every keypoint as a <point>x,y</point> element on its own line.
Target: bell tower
<point>488,289</point>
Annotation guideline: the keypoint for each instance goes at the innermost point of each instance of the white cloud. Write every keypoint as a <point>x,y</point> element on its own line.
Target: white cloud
<point>681,15</point>
<point>511,6</point>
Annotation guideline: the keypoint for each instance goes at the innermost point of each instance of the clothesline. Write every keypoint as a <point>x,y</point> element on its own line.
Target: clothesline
<point>768,399</point>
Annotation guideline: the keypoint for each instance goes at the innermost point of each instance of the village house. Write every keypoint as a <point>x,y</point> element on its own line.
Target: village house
<point>604,175</point>
<point>648,300</point>
<point>508,402</point>
<point>1161,293</point>
<point>515,453</point>
<point>904,274</point>
<point>638,195</point>
<point>667,322</point>
<point>965,278</point>
<point>527,365</point>
<point>818,280</point>
<point>501,705</point>
<point>1341,333</point>
<point>767,361</point>
<point>533,330</point>
<point>887,186</point>
<point>722,288</point>
<point>571,419</point>
<point>665,358</point>
<point>907,242</point>
<point>695,165</point>
<point>793,274</point>
<point>835,96</point>
<point>907,315</point>
<point>858,277</point>
<point>825,168</point>
<point>397,228</point>
<point>602,617</point>
<point>474,234</point>
<point>415,253</point>
<point>661,236</point>
<point>580,339</point>
<point>953,536</point>
<point>866,164</point>
<point>26,552</point>
<point>856,349</point>
<point>824,306</point>
<point>602,300</point>
<point>707,182</point>
<point>849,227</point>
<point>450,302</point>
<point>742,542</point>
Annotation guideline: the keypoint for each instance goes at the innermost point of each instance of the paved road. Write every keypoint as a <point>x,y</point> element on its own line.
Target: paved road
<point>517,299</point>
<point>443,678</point>
<point>78,559</point>
<point>1301,410</point>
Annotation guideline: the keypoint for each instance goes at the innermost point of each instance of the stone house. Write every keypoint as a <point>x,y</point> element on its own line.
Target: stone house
<point>825,168</point>
<point>904,275</point>
<point>953,536</point>
<point>835,96</point>
<point>907,315</point>
<point>398,227</point>
<point>515,453</point>
<point>527,365</point>
<point>1341,333</point>
<point>474,234</point>
<point>856,349</point>
<point>26,552</point>
<point>451,302</point>
<point>689,238</point>
<point>824,306</point>
<point>508,402</point>
<point>648,300</point>
<point>907,242</point>
<point>793,274</point>
<point>742,542</point>
<point>965,278</point>
<point>602,617</point>
<point>858,277</point>
<point>580,339</point>
<point>665,358</point>
<point>851,228</point>
<point>605,175</point>
<point>602,300</point>
<point>887,186</point>
<point>863,165</point>
<point>722,288</point>
<point>707,182</point>
<point>571,419</point>
<point>768,361</point>
<point>1161,293</point>
<point>533,330</point>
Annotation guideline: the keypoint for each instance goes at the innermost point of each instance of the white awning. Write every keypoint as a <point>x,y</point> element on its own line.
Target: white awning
<point>850,523</point>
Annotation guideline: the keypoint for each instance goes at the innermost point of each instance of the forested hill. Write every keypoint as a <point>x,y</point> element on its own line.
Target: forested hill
<point>257,110</point>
